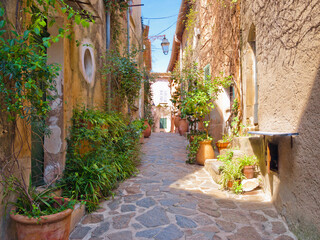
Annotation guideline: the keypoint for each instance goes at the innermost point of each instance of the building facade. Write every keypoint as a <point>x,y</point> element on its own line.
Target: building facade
<point>272,51</point>
<point>80,83</point>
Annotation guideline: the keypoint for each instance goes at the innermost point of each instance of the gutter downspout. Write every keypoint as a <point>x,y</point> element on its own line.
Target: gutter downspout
<point>128,40</point>
<point>108,32</point>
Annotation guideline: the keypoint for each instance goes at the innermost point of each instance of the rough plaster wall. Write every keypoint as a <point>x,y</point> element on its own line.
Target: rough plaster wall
<point>77,91</point>
<point>218,46</point>
<point>288,58</point>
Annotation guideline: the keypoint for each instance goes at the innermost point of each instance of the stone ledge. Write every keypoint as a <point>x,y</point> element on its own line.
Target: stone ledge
<point>212,166</point>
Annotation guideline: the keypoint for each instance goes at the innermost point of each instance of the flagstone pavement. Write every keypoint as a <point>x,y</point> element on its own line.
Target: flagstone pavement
<point>169,199</point>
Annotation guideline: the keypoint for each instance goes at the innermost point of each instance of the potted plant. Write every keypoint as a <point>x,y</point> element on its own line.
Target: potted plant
<point>231,173</point>
<point>224,142</point>
<point>248,164</point>
<point>38,214</point>
<point>205,150</point>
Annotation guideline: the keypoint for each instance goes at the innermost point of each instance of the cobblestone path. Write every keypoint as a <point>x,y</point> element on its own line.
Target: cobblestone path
<point>170,199</point>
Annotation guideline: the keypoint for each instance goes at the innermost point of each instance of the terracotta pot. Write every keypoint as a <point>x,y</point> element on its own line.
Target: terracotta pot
<point>50,227</point>
<point>230,184</point>
<point>147,131</point>
<point>222,145</point>
<point>176,121</point>
<point>205,152</point>
<point>183,126</point>
<point>248,171</point>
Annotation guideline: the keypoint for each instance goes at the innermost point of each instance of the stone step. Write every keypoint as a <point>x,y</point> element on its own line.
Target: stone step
<point>212,166</point>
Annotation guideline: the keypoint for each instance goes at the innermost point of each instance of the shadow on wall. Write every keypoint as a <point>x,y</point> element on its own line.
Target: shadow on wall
<point>303,209</point>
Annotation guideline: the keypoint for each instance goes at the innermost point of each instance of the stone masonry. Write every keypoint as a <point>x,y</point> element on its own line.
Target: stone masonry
<point>169,199</point>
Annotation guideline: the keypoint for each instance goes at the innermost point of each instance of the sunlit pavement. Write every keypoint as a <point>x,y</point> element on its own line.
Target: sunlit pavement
<point>170,199</point>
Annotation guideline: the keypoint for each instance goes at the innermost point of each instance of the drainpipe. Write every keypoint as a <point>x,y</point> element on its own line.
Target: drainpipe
<point>255,108</point>
<point>128,30</point>
<point>108,32</point>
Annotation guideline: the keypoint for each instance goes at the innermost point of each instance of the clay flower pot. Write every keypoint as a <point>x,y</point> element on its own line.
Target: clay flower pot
<point>50,227</point>
<point>176,121</point>
<point>147,131</point>
<point>183,126</point>
<point>248,171</point>
<point>205,152</point>
<point>222,145</point>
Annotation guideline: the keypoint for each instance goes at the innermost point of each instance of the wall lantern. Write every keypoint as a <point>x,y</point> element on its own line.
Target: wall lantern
<point>165,46</point>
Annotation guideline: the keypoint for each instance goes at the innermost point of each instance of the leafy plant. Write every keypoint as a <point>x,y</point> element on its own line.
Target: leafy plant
<point>232,171</point>
<point>225,138</point>
<point>33,203</point>
<point>126,76</point>
<point>227,156</point>
<point>103,149</point>
<point>237,187</point>
<point>246,160</point>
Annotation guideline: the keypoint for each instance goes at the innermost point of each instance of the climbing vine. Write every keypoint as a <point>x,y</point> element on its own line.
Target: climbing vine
<point>25,76</point>
<point>125,75</point>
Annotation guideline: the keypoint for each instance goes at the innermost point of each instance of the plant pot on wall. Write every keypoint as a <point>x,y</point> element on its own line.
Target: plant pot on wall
<point>248,171</point>
<point>222,145</point>
<point>183,126</point>
<point>49,227</point>
<point>147,131</point>
<point>205,152</point>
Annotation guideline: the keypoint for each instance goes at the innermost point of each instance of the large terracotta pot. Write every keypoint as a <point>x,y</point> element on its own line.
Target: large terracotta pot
<point>147,131</point>
<point>222,145</point>
<point>50,227</point>
<point>205,151</point>
<point>183,126</point>
<point>248,171</point>
<point>176,121</point>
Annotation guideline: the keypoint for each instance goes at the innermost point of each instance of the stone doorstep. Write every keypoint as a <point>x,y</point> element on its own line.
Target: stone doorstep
<point>78,213</point>
<point>212,166</point>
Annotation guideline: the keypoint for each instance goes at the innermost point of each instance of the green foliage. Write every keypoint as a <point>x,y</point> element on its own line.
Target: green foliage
<point>202,92</point>
<point>33,203</point>
<point>227,156</point>
<point>103,149</point>
<point>148,80</point>
<point>226,138</point>
<point>194,145</point>
<point>237,187</point>
<point>232,169</point>
<point>25,76</point>
<point>246,160</point>
<point>125,75</point>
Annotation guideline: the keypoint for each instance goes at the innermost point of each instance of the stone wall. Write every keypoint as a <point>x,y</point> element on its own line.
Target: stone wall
<point>217,47</point>
<point>287,40</point>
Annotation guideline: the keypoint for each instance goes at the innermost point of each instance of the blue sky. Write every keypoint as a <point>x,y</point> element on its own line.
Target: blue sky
<point>158,9</point>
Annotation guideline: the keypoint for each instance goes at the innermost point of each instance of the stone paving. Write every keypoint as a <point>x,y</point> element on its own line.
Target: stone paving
<point>170,199</point>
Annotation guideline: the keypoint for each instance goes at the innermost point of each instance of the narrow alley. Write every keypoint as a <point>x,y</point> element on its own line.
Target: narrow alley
<point>170,199</point>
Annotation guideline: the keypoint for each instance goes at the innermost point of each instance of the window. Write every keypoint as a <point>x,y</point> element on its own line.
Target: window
<point>163,123</point>
<point>163,96</point>
<point>207,72</point>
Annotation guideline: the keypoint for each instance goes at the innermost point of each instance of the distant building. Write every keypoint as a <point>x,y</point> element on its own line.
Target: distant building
<point>162,105</point>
